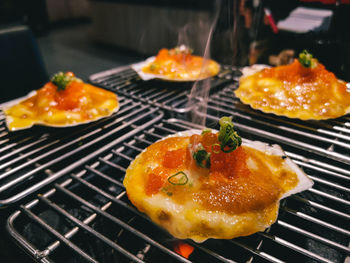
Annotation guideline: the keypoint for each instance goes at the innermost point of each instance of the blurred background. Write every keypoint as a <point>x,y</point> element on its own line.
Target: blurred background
<point>87,36</point>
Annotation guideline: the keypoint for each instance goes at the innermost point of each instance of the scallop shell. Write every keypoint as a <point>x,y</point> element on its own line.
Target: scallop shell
<point>250,70</point>
<point>9,118</point>
<point>147,76</point>
<point>182,221</point>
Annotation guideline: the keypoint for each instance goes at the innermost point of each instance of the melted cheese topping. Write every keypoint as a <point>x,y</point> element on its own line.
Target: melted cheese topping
<point>296,92</point>
<point>78,103</point>
<point>179,66</point>
<point>239,195</point>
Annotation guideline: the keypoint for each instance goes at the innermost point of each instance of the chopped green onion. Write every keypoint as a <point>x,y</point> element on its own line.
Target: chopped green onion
<point>213,149</point>
<point>165,190</point>
<point>228,137</point>
<point>153,66</point>
<point>61,80</point>
<point>180,178</point>
<point>202,158</point>
<point>206,130</point>
<point>306,59</point>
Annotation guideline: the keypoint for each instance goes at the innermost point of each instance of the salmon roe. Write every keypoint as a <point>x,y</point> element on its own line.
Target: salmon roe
<point>223,165</point>
<point>296,74</point>
<point>166,54</point>
<point>155,181</point>
<point>174,159</point>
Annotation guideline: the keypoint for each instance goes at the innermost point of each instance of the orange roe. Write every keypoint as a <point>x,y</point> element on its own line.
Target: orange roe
<point>155,181</point>
<point>230,165</point>
<point>70,97</point>
<point>166,54</point>
<point>296,74</point>
<point>224,166</point>
<point>174,159</point>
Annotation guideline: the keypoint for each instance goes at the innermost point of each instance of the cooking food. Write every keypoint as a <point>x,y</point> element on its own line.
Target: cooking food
<point>180,65</point>
<point>203,184</point>
<point>303,90</point>
<point>64,101</point>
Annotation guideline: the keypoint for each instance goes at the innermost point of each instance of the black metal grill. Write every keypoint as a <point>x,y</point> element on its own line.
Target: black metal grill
<point>33,158</point>
<point>171,96</point>
<point>86,215</point>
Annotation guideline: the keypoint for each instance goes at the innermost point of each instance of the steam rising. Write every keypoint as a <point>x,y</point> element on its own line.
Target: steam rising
<point>200,91</point>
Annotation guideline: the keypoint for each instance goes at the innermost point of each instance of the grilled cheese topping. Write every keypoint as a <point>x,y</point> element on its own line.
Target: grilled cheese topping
<point>238,195</point>
<point>296,92</point>
<point>77,103</point>
<point>180,64</point>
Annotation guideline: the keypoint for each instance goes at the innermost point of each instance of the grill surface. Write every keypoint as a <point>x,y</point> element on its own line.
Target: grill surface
<point>172,96</point>
<point>35,157</point>
<point>86,216</point>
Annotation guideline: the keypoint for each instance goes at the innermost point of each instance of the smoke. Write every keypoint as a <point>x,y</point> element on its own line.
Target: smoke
<point>198,98</point>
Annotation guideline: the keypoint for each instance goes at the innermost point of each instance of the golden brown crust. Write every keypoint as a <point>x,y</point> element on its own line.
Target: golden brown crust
<point>174,65</point>
<point>206,208</point>
<point>79,103</point>
<point>296,92</point>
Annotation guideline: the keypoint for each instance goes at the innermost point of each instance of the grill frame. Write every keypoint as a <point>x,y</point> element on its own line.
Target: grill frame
<point>329,162</point>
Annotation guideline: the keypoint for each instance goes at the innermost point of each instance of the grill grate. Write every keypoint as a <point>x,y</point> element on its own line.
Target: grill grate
<point>172,96</point>
<point>325,138</point>
<point>87,216</point>
<point>33,158</point>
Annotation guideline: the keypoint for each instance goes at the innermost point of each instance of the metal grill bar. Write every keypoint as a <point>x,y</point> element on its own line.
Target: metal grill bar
<point>256,252</point>
<point>317,221</point>
<point>89,229</point>
<point>283,139</point>
<point>56,234</point>
<point>311,235</point>
<point>321,207</point>
<point>119,222</point>
<point>28,171</point>
<point>118,159</point>
<point>166,95</point>
<point>319,216</point>
<point>295,247</point>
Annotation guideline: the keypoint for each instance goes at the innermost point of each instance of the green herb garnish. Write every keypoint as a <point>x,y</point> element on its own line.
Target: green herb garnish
<point>165,190</point>
<point>213,149</point>
<point>153,66</point>
<point>202,158</point>
<point>306,59</point>
<point>180,178</point>
<point>228,137</point>
<point>61,80</point>
<point>206,130</point>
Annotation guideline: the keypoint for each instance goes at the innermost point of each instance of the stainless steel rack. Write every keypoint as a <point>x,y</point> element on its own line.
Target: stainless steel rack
<point>171,96</point>
<point>31,159</point>
<point>89,209</point>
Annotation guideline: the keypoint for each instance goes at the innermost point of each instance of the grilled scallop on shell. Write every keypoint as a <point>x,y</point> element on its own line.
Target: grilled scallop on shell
<point>207,205</point>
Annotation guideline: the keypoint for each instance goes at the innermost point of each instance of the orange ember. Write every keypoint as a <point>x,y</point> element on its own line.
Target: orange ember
<point>183,249</point>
